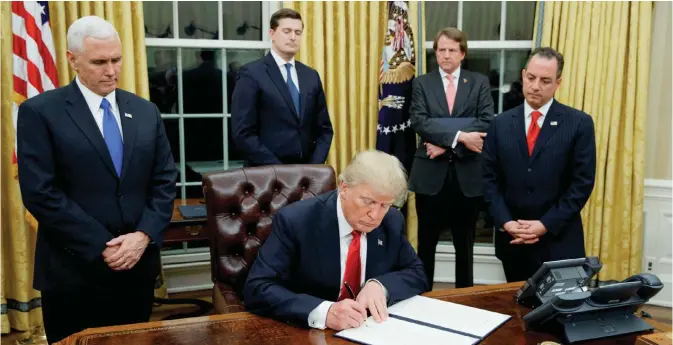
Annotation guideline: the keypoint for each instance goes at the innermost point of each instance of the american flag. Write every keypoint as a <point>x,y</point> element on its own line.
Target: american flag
<point>34,55</point>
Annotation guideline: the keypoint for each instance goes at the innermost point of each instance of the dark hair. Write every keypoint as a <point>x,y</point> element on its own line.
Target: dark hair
<point>548,53</point>
<point>454,34</point>
<point>282,14</point>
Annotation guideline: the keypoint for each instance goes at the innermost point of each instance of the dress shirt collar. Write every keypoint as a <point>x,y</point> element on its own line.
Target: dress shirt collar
<point>93,99</point>
<point>456,74</point>
<point>280,61</point>
<point>345,229</point>
<point>527,109</point>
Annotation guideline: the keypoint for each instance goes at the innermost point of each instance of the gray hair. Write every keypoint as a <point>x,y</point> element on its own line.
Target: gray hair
<point>89,26</point>
<point>379,170</point>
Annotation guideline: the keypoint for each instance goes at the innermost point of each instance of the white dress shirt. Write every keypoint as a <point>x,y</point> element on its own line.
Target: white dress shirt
<point>318,317</point>
<point>528,112</point>
<point>283,70</point>
<point>445,82</point>
<point>93,100</point>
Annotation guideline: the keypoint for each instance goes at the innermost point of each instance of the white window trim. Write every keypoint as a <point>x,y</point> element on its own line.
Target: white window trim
<point>268,7</point>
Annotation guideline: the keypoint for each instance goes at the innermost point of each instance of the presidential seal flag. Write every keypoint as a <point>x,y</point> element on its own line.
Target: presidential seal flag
<point>398,67</point>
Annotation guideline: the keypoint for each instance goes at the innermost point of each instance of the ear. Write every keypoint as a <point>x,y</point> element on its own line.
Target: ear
<point>558,83</point>
<point>523,74</point>
<point>72,60</point>
<point>342,188</point>
<point>271,32</point>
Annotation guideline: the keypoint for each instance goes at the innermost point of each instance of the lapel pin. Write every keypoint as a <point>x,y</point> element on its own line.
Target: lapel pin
<point>464,80</point>
<point>554,123</point>
<point>380,243</point>
<point>128,115</point>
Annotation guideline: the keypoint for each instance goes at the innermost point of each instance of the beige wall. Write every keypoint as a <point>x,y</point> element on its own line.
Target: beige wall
<point>658,158</point>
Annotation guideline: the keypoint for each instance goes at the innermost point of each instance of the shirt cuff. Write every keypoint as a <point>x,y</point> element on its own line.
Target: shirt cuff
<point>385,291</point>
<point>455,140</point>
<point>318,316</point>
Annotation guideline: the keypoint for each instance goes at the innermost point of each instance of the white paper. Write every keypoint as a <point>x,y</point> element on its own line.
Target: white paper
<point>473,323</point>
<point>457,317</point>
<point>394,331</point>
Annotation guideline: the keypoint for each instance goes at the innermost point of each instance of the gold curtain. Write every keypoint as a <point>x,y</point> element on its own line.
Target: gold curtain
<point>606,46</point>
<point>19,300</point>
<point>343,41</point>
<point>127,17</point>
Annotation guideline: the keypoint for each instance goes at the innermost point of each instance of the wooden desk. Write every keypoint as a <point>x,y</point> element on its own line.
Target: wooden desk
<point>245,328</point>
<point>185,230</point>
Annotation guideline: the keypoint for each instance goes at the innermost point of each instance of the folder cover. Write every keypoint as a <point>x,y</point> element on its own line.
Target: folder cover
<point>422,320</point>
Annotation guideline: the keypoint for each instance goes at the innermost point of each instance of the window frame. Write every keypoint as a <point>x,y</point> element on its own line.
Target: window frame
<point>268,8</point>
<point>502,46</point>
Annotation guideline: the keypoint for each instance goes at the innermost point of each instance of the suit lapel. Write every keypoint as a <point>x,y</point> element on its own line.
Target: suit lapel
<point>519,130</point>
<point>330,246</point>
<point>463,90</point>
<point>129,129</point>
<point>376,242</point>
<point>274,73</point>
<point>79,112</point>
<point>440,93</point>
<point>549,126</point>
<point>303,76</point>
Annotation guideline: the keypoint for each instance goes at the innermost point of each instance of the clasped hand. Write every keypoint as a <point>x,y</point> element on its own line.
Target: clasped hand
<point>123,252</point>
<point>525,231</point>
<point>350,313</point>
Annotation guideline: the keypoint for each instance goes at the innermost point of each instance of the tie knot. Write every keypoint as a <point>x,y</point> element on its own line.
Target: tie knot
<point>105,104</point>
<point>288,66</point>
<point>536,115</point>
<point>450,77</point>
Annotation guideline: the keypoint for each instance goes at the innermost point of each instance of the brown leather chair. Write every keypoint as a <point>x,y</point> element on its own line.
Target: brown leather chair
<point>239,206</point>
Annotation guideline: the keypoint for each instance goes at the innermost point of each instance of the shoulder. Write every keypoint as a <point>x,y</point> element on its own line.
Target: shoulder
<point>301,211</point>
<point>577,116</point>
<point>307,68</point>
<point>253,66</point>
<point>478,77</point>
<point>508,115</point>
<point>48,99</point>
<point>393,222</point>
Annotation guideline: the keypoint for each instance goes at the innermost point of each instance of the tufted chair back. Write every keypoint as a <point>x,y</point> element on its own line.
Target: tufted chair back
<point>239,206</point>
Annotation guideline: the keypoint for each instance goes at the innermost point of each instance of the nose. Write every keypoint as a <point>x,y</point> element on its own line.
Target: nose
<point>109,70</point>
<point>375,212</point>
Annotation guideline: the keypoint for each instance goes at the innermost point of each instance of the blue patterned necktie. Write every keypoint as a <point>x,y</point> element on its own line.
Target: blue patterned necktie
<point>112,136</point>
<point>294,92</point>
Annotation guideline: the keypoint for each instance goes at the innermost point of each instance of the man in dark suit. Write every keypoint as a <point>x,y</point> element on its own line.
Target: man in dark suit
<point>279,112</point>
<point>539,169</point>
<point>331,258</point>
<point>96,171</point>
<point>451,108</point>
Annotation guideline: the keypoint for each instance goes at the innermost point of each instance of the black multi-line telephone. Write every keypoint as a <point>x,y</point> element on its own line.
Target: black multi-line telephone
<point>560,296</point>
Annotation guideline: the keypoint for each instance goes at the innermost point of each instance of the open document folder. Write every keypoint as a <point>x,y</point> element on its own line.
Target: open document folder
<point>422,320</point>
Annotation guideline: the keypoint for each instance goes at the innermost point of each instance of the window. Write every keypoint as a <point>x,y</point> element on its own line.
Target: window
<point>194,50</point>
<point>500,37</point>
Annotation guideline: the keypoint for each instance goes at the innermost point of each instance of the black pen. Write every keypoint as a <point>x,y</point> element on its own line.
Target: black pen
<point>350,291</point>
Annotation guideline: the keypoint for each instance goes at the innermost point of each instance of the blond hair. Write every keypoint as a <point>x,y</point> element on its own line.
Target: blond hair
<point>379,170</point>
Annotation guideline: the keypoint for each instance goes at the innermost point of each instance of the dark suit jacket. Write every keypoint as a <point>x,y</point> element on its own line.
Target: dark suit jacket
<point>68,183</point>
<point>428,103</point>
<point>298,267</point>
<point>265,123</point>
<point>551,186</point>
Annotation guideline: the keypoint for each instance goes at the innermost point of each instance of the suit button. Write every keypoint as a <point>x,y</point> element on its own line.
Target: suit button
<point>120,196</point>
<point>529,169</point>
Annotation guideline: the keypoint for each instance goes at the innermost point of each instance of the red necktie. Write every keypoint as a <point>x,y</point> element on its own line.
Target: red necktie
<point>533,131</point>
<point>353,269</point>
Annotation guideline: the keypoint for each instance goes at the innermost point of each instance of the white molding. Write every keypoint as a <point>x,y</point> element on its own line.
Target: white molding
<point>174,260</point>
<point>508,45</point>
<point>206,44</point>
<point>193,276</point>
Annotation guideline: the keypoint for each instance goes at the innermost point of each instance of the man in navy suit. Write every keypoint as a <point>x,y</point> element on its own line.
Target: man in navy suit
<point>96,171</point>
<point>539,165</point>
<point>331,258</point>
<point>279,112</point>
